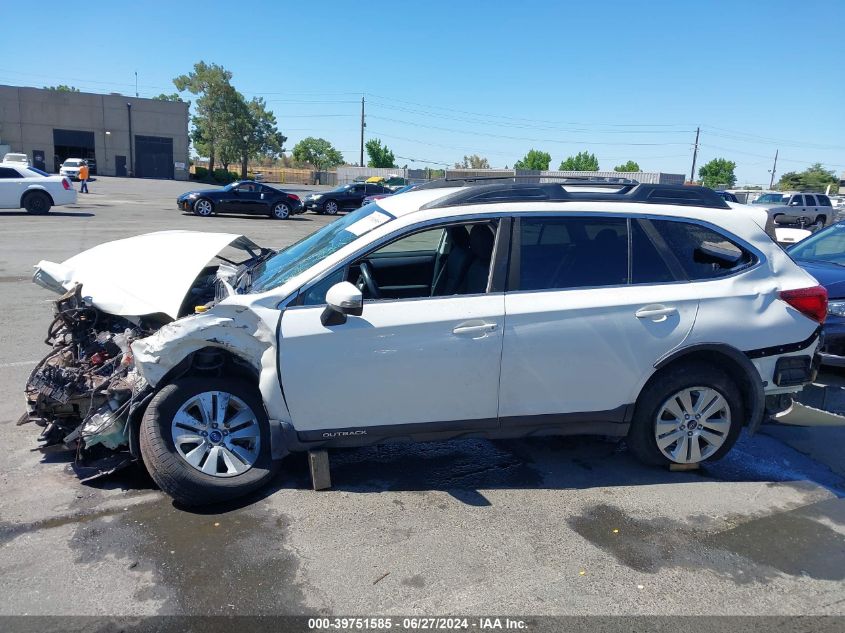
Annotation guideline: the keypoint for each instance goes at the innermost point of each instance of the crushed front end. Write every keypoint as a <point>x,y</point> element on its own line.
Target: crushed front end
<point>86,388</point>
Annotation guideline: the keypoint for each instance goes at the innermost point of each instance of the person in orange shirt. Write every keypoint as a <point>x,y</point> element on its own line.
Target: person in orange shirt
<point>83,177</point>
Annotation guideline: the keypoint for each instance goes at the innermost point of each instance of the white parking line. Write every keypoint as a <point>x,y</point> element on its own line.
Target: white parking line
<point>20,363</point>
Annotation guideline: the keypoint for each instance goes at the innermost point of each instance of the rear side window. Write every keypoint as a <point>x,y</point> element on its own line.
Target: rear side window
<point>572,252</point>
<point>647,264</point>
<point>702,252</point>
<point>824,201</point>
<point>810,200</point>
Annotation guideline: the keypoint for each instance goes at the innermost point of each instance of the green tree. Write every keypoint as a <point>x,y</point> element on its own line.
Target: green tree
<point>814,178</point>
<point>473,162</point>
<point>719,172</point>
<point>250,133</point>
<point>317,152</point>
<point>171,97</point>
<point>535,160</point>
<point>62,88</point>
<point>582,161</point>
<point>213,85</point>
<point>379,156</point>
<point>629,166</point>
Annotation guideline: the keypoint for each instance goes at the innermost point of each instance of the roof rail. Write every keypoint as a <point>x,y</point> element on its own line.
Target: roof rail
<point>464,181</point>
<point>627,191</point>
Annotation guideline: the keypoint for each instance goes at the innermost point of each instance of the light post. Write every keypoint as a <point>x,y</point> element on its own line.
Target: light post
<point>106,152</point>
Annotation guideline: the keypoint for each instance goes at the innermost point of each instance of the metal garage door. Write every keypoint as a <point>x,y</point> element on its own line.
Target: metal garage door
<point>153,157</point>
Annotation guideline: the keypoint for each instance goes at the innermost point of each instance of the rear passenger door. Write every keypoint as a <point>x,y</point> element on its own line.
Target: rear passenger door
<point>591,306</point>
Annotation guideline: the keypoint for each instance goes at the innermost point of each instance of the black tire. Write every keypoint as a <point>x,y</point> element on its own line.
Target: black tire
<point>187,485</point>
<point>280,211</point>
<point>329,209</point>
<point>821,220</point>
<point>37,203</point>
<point>641,436</point>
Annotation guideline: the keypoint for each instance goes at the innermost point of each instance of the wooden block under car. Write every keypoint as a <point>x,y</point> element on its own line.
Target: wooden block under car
<point>318,464</point>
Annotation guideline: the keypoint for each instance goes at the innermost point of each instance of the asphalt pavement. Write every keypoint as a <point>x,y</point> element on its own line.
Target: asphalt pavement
<point>569,526</point>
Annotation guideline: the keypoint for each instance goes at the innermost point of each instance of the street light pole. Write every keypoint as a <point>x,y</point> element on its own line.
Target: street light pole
<point>106,145</point>
<point>131,157</point>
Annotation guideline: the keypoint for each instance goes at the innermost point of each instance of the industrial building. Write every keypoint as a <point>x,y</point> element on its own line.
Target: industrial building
<point>118,135</point>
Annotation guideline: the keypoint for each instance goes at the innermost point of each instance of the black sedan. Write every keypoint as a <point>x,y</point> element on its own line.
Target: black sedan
<point>349,196</point>
<point>823,256</point>
<point>245,196</point>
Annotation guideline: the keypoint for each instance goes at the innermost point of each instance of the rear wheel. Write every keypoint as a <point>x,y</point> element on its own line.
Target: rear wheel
<point>37,202</point>
<point>207,440</point>
<point>203,207</point>
<point>331,207</point>
<point>281,211</point>
<point>687,416</point>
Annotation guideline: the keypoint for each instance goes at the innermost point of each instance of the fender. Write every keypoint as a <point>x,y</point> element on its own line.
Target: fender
<point>31,188</point>
<point>234,328</point>
<point>756,396</point>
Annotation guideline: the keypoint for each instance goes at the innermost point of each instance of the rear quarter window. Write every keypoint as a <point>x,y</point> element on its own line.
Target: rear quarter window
<point>702,252</point>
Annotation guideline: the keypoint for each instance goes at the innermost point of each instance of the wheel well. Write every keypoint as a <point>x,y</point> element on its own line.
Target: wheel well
<point>29,192</point>
<point>720,360</point>
<point>212,361</point>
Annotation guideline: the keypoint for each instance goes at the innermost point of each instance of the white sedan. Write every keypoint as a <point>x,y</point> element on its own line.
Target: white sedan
<point>23,187</point>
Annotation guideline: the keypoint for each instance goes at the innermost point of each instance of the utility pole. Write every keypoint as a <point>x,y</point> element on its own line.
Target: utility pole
<point>774,170</point>
<point>363,125</point>
<point>136,84</point>
<point>694,155</point>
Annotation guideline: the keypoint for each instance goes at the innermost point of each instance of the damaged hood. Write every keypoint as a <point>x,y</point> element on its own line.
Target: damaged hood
<point>139,275</point>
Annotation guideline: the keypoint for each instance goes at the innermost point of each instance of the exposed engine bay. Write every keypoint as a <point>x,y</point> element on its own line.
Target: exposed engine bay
<point>86,392</point>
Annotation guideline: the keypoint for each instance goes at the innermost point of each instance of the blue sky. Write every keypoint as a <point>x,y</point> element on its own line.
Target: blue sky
<point>443,79</point>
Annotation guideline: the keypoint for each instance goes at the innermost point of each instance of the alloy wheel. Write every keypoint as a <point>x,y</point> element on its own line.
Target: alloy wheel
<point>692,425</point>
<point>331,207</point>
<point>281,211</point>
<point>217,433</point>
<point>203,207</point>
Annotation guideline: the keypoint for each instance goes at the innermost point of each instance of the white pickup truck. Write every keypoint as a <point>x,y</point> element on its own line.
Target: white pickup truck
<point>809,209</point>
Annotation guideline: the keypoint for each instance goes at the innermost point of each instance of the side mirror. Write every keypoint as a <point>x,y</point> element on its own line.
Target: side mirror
<point>342,299</point>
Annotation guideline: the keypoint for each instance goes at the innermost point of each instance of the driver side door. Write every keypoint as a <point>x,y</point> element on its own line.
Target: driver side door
<point>406,365</point>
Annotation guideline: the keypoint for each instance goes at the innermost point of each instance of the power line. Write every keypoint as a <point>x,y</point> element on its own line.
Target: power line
<point>520,138</point>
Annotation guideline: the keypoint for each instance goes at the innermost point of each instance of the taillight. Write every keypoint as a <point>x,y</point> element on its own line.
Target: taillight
<point>66,184</point>
<point>293,196</point>
<point>811,302</point>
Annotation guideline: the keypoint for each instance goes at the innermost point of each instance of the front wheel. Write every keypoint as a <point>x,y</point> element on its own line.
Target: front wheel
<point>331,207</point>
<point>203,207</point>
<point>280,211</point>
<point>206,440</point>
<point>691,415</point>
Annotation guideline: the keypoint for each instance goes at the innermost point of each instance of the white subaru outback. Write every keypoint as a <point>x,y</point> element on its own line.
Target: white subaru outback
<point>496,309</point>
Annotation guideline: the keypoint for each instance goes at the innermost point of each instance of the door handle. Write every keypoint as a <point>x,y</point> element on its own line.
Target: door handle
<point>656,312</point>
<point>476,328</point>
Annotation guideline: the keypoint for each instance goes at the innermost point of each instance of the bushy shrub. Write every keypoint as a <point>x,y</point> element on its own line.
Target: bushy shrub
<point>222,176</point>
<point>200,173</point>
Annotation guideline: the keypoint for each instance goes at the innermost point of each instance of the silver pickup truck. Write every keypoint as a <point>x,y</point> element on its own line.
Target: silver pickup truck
<point>813,210</point>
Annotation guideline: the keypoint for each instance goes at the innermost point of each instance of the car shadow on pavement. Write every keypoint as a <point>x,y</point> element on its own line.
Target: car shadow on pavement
<point>61,214</point>
<point>235,216</point>
<point>465,468</point>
